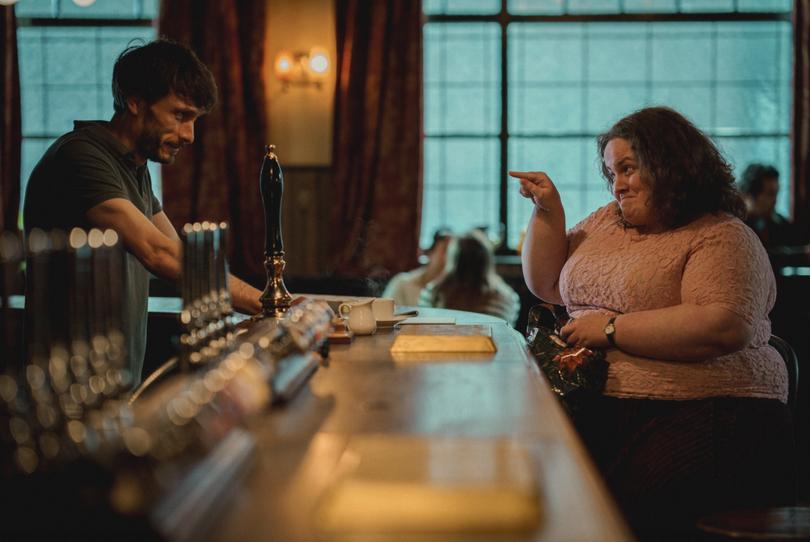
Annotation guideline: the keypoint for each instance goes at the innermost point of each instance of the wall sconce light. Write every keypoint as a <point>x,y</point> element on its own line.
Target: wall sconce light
<point>302,69</point>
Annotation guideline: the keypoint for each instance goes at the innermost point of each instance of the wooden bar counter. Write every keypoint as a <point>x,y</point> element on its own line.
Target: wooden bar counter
<point>365,391</point>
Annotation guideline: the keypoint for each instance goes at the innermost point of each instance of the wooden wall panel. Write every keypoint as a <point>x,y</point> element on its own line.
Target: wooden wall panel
<point>305,220</point>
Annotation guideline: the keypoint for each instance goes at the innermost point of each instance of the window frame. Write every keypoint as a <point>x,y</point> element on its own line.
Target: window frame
<point>56,21</point>
<point>503,18</point>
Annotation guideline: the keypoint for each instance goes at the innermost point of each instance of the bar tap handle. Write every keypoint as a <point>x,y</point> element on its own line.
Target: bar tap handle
<point>275,298</point>
<point>80,303</point>
<point>115,265</point>
<point>218,282</point>
<point>38,314</point>
<point>271,183</point>
<point>98,294</point>
<point>197,277</point>
<point>99,344</point>
<point>114,313</point>
<point>185,282</point>
<point>211,241</point>
<point>187,290</point>
<point>10,259</point>
<point>225,292</point>
<point>209,279</point>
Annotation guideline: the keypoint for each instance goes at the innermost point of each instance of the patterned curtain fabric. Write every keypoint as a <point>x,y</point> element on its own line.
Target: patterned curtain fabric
<point>11,136</point>
<point>801,113</point>
<point>217,177</point>
<point>377,164</point>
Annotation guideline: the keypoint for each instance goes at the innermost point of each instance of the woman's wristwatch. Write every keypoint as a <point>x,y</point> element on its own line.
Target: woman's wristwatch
<point>610,331</point>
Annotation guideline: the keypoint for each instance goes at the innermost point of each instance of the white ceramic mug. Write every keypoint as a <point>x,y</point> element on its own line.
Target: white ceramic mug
<point>383,308</point>
<point>359,317</point>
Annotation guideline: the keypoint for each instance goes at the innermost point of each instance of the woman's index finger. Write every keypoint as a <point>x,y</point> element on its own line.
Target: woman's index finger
<point>532,176</point>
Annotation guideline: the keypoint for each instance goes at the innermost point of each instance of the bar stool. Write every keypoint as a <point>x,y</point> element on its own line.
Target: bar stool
<point>774,524</point>
<point>763,524</point>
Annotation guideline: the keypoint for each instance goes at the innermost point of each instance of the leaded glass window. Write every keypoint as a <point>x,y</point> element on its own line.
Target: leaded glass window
<point>528,84</point>
<point>66,55</point>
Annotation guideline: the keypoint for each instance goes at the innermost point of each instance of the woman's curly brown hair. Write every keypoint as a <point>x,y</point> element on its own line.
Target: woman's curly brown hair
<point>686,172</point>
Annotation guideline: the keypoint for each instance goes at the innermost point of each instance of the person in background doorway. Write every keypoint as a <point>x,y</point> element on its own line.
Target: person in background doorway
<point>759,185</point>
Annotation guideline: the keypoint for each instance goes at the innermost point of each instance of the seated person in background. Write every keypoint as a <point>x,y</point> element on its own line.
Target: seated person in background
<point>760,185</point>
<point>404,287</point>
<point>470,282</point>
<point>669,280</point>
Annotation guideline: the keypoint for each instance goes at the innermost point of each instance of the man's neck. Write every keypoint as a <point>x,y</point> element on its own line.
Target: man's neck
<point>122,131</point>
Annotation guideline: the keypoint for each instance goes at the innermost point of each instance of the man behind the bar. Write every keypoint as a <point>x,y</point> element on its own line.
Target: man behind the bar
<point>96,175</point>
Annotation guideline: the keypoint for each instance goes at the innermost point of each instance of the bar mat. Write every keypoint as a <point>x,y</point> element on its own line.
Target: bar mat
<point>440,338</point>
<point>437,484</point>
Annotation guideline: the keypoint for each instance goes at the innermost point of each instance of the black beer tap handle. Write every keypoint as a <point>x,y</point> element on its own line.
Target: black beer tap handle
<point>275,298</point>
<point>271,182</point>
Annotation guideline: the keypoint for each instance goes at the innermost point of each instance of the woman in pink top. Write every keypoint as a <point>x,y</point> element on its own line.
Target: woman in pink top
<point>670,281</point>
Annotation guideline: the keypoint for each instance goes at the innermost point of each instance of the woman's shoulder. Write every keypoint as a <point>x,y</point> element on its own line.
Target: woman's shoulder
<point>725,235</point>
<point>722,225</point>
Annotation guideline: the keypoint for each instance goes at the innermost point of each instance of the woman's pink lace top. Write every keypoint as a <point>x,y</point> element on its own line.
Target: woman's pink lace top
<point>716,259</point>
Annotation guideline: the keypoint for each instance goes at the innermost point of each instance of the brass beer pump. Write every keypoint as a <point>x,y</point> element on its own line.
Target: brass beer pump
<point>275,298</point>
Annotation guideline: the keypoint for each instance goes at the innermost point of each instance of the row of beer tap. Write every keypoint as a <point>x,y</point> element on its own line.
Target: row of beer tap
<point>72,396</point>
<point>207,312</point>
<point>68,399</point>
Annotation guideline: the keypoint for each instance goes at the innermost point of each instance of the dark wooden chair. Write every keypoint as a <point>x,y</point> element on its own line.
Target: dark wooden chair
<point>792,365</point>
<point>773,524</point>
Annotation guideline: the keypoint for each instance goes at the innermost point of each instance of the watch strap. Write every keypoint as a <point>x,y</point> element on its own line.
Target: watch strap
<point>610,331</point>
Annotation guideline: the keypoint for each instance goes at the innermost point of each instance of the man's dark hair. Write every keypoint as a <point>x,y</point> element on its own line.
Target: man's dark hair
<point>686,172</point>
<point>154,70</point>
<point>753,178</point>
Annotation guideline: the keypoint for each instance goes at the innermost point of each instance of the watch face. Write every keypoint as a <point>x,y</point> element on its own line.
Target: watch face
<point>609,329</point>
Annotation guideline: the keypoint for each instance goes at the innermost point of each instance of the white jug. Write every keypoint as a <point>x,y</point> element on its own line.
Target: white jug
<point>359,317</point>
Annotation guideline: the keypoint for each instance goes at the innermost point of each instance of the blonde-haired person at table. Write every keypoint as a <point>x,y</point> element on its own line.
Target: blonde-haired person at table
<point>470,282</point>
<point>673,284</point>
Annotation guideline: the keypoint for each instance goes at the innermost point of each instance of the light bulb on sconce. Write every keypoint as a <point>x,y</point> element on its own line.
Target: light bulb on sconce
<point>319,61</point>
<point>302,69</point>
<point>284,64</point>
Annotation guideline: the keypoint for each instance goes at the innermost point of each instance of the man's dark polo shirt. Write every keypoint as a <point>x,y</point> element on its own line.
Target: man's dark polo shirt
<point>82,169</point>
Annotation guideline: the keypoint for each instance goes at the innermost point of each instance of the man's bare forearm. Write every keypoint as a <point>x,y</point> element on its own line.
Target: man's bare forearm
<point>245,298</point>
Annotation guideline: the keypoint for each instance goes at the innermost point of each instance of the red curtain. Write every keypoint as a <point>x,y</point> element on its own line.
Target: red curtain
<point>801,112</point>
<point>11,136</point>
<point>377,146</point>
<point>217,177</point>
